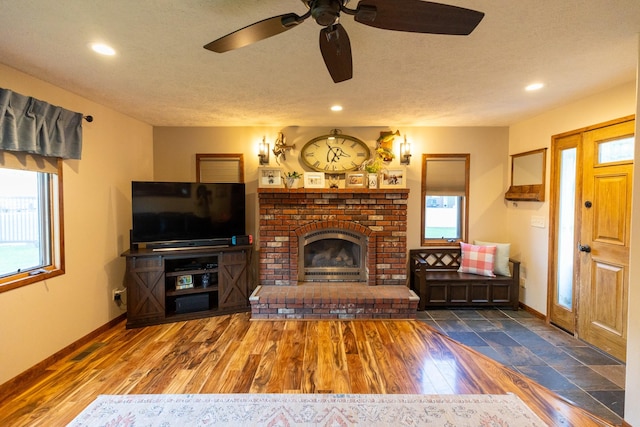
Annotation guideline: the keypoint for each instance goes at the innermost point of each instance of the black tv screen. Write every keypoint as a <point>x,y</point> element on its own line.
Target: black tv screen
<point>186,213</point>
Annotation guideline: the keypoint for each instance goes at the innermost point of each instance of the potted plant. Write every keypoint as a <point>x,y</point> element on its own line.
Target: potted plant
<point>292,179</point>
<point>372,167</point>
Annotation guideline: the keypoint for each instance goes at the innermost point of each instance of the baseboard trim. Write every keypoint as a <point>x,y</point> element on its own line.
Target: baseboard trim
<point>22,380</point>
<point>532,311</point>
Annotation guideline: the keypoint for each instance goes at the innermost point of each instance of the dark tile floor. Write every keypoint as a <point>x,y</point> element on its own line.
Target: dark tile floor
<point>546,354</point>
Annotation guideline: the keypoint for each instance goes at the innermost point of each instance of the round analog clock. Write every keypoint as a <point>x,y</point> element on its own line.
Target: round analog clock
<point>335,153</point>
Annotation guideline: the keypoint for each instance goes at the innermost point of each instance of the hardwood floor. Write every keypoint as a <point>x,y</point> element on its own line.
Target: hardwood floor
<point>232,354</point>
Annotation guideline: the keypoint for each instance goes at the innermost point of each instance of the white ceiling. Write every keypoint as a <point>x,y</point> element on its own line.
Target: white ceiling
<point>163,76</point>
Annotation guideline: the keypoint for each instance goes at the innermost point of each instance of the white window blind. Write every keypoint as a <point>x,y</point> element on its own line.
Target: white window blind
<point>220,168</point>
<point>446,177</point>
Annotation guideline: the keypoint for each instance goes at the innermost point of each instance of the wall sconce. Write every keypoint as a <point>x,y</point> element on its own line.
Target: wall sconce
<point>405,152</point>
<point>263,152</point>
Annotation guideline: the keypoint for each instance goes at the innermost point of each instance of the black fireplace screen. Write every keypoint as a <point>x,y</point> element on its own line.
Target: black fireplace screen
<point>333,255</point>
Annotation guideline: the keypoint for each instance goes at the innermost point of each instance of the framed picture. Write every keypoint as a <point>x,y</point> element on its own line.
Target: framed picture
<point>394,177</point>
<point>184,281</point>
<point>355,180</point>
<point>270,177</point>
<point>314,180</point>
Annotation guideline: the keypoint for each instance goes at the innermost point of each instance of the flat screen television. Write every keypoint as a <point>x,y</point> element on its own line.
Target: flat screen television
<point>184,214</point>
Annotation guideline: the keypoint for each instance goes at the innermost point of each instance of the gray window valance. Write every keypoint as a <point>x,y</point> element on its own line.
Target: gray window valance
<point>33,126</point>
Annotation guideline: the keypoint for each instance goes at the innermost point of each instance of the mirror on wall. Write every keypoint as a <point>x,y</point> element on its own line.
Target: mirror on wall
<point>528,176</point>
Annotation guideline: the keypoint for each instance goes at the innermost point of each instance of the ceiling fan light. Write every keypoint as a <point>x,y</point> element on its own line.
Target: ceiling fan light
<point>103,49</point>
<point>534,86</point>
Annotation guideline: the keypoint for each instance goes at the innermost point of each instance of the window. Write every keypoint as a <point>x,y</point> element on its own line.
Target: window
<point>616,150</point>
<point>30,219</point>
<point>445,196</point>
<point>220,168</point>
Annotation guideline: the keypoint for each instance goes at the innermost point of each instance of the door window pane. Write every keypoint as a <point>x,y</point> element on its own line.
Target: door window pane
<point>616,150</point>
<point>566,228</point>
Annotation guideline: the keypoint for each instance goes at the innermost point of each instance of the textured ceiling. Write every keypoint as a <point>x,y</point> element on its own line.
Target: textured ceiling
<point>163,76</point>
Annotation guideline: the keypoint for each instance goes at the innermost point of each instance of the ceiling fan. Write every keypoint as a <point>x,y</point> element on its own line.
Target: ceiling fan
<point>400,15</point>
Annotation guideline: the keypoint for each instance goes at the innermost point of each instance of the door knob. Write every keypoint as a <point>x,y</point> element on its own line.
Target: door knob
<point>584,248</point>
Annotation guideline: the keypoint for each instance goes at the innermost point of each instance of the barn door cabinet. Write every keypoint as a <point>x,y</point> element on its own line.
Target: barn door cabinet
<point>173,285</point>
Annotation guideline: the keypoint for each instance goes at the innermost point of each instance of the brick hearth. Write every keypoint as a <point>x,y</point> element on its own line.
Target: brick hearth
<point>286,215</point>
<point>333,301</point>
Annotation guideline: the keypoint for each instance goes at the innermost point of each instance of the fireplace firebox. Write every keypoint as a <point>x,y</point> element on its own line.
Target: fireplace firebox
<point>330,255</point>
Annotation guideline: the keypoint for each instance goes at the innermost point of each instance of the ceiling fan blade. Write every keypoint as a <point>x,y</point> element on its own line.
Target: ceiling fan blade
<point>256,32</point>
<point>336,52</point>
<point>417,16</point>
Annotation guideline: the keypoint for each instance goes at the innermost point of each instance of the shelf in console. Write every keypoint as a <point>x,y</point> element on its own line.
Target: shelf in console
<point>185,272</point>
<point>190,291</point>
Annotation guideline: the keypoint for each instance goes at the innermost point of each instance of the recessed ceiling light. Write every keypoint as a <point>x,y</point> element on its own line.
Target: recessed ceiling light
<point>534,86</point>
<point>103,49</point>
<point>336,108</point>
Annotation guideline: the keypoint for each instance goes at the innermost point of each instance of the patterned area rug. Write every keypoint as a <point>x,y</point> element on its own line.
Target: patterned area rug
<point>280,410</point>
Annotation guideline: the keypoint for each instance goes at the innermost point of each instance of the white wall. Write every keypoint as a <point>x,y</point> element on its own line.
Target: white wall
<point>530,244</point>
<point>175,149</point>
<point>40,319</point>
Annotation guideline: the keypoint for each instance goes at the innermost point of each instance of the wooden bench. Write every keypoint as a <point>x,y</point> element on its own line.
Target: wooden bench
<point>434,277</point>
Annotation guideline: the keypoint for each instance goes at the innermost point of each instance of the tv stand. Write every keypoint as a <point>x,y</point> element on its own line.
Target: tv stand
<point>173,284</point>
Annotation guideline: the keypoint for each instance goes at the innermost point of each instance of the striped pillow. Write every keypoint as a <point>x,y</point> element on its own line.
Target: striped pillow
<point>477,259</point>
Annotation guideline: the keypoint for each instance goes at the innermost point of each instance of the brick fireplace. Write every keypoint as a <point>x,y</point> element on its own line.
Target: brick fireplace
<point>289,216</point>
<point>286,215</point>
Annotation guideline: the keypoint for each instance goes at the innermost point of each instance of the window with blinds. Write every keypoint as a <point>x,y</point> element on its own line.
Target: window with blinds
<point>445,195</point>
<point>220,168</point>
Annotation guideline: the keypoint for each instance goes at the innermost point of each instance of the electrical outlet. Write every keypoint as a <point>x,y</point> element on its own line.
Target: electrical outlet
<point>117,295</point>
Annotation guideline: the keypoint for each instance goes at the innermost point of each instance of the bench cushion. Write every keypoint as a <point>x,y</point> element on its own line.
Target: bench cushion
<point>501,262</point>
<point>477,259</point>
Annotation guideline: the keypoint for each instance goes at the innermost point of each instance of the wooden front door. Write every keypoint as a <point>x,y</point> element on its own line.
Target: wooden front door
<point>603,246</point>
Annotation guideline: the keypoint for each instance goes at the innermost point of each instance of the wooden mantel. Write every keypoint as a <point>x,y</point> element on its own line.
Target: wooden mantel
<point>334,190</point>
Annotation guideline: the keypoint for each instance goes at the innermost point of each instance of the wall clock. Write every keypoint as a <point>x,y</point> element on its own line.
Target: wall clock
<point>335,153</point>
